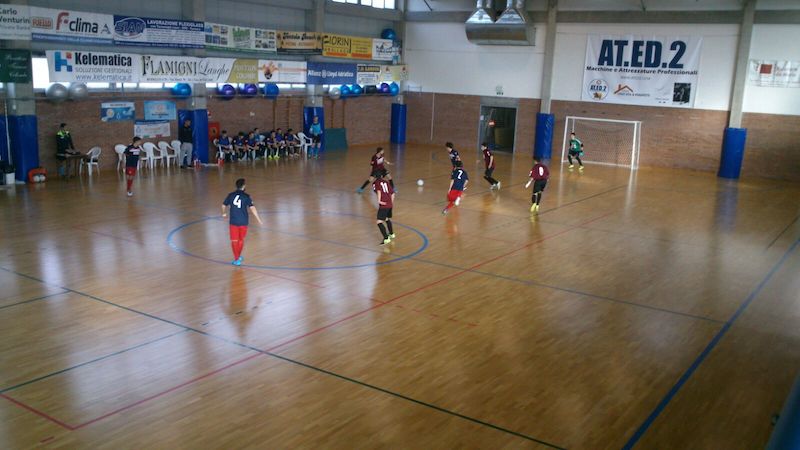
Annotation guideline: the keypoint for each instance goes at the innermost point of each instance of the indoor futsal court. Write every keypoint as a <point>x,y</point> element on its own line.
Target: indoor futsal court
<point>621,269</point>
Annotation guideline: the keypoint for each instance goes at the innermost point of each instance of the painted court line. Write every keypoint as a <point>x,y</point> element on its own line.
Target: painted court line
<point>44,297</point>
<point>783,231</point>
<point>260,352</point>
<point>648,422</point>
<point>59,372</point>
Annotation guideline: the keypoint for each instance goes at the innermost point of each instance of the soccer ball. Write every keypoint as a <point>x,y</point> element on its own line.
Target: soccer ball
<point>37,178</point>
<point>420,182</point>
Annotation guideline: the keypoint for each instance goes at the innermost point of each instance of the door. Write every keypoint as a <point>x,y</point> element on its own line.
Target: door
<point>497,127</point>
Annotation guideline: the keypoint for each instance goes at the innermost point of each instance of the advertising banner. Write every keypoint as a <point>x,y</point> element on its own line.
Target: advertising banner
<point>331,73</point>
<point>71,26</point>
<point>385,50</point>
<point>15,66</point>
<point>117,111</point>
<point>185,69</point>
<point>150,32</point>
<point>784,74</point>
<point>299,43</point>
<point>338,46</point>
<point>638,70</point>
<point>151,129</point>
<point>15,22</point>
<point>393,73</point>
<point>87,67</point>
<point>160,110</point>
<point>368,74</point>
<point>272,71</point>
<point>229,37</point>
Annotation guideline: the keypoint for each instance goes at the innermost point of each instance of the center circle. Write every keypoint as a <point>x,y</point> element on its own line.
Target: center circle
<point>416,252</point>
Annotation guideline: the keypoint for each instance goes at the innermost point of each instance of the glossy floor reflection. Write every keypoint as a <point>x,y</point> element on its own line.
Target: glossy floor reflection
<point>125,326</point>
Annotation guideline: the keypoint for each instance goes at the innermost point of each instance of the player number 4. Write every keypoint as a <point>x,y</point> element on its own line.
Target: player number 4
<point>237,201</point>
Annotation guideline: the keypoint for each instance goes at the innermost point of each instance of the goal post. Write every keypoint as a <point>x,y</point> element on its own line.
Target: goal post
<point>606,141</point>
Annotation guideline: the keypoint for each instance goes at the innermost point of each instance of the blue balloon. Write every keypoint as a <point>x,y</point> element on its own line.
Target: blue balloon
<point>356,90</point>
<point>226,91</point>
<point>388,33</point>
<point>271,90</point>
<point>182,90</point>
<point>384,88</point>
<point>345,90</point>
<point>248,90</point>
<point>394,88</point>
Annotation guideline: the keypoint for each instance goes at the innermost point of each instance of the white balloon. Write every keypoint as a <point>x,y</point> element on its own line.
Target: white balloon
<point>57,92</point>
<point>78,90</point>
<point>334,93</point>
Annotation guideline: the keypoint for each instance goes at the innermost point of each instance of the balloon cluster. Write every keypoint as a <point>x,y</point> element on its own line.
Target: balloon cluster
<point>345,91</point>
<point>248,90</point>
<point>58,92</point>
<point>182,90</point>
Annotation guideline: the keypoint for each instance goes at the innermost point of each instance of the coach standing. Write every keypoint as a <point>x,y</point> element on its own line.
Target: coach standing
<point>187,143</point>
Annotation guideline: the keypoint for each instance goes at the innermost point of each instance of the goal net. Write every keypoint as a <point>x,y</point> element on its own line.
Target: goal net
<point>605,141</point>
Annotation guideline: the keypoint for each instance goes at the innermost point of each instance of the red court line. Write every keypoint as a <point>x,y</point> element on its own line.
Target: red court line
<point>162,393</point>
<point>447,278</point>
<point>38,413</point>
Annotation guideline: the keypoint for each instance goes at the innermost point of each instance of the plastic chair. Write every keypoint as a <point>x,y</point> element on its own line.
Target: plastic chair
<point>145,160</point>
<point>305,142</point>
<point>153,154</point>
<point>165,151</point>
<point>220,153</point>
<point>92,159</point>
<point>176,145</point>
<point>120,149</point>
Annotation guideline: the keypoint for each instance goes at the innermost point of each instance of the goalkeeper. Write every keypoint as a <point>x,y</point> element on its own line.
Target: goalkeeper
<point>575,150</point>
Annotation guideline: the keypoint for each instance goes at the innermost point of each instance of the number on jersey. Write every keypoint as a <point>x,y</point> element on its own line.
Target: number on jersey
<point>237,201</point>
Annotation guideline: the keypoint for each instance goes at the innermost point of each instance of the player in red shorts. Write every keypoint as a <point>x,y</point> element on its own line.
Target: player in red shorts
<point>539,176</point>
<point>458,184</point>
<point>240,205</point>
<point>385,192</point>
<point>132,161</point>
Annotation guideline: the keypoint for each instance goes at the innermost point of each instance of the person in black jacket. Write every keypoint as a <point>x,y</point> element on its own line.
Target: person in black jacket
<point>187,143</point>
<point>64,145</point>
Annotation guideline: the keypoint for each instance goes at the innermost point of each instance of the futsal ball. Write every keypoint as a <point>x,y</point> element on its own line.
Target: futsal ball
<point>420,182</point>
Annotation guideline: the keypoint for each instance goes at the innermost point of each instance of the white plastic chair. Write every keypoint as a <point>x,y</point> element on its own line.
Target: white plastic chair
<point>92,159</point>
<point>305,142</point>
<point>120,149</point>
<point>176,145</point>
<point>146,155</point>
<point>220,152</point>
<point>153,154</point>
<point>165,151</point>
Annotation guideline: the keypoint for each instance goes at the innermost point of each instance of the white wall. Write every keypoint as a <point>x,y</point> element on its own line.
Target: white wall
<point>717,58</point>
<point>440,59</point>
<point>777,42</point>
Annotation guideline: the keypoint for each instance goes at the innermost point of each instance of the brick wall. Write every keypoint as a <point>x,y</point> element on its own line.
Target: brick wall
<point>671,137</point>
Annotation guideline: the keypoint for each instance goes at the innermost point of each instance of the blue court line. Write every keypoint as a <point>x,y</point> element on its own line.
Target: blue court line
<point>422,248</point>
<point>298,363</point>
<point>59,372</point>
<point>706,351</point>
<point>31,301</point>
<point>783,231</point>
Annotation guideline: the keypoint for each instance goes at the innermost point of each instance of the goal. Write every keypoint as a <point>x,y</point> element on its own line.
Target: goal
<point>606,141</point>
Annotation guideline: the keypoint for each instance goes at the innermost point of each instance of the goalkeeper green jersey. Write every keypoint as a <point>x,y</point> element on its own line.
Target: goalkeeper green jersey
<point>575,145</point>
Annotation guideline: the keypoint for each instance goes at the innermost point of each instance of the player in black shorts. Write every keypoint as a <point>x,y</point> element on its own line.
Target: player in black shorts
<point>539,176</point>
<point>377,169</point>
<point>385,192</point>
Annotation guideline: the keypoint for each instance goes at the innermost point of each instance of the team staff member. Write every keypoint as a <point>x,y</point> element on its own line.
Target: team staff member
<point>488,159</point>
<point>539,176</point>
<point>187,143</point>
<point>132,161</point>
<point>385,193</point>
<point>240,205</point>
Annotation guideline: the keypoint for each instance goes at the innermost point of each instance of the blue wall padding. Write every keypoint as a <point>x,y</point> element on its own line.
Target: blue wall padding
<point>733,142</point>
<point>398,133</point>
<point>24,144</point>
<point>543,144</point>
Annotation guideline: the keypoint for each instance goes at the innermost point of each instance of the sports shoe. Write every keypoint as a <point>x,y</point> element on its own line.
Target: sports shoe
<point>359,190</point>
<point>236,262</point>
<point>497,186</point>
<point>571,166</point>
<point>580,168</point>
<point>392,236</point>
<point>241,259</point>
<point>130,194</point>
<point>444,212</point>
<point>533,207</point>
<point>458,200</point>
<point>385,241</point>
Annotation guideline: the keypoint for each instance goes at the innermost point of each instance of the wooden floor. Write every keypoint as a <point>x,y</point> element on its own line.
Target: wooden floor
<point>658,308</point>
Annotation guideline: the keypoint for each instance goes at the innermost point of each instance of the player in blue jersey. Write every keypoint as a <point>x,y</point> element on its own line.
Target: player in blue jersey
<point>240,205</point>
<point>132,162</point>
<point>458,184</point>
<point>452,154</point>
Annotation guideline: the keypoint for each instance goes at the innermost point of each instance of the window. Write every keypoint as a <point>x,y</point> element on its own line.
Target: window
<point>41,75</point>
<point>381,4</point>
